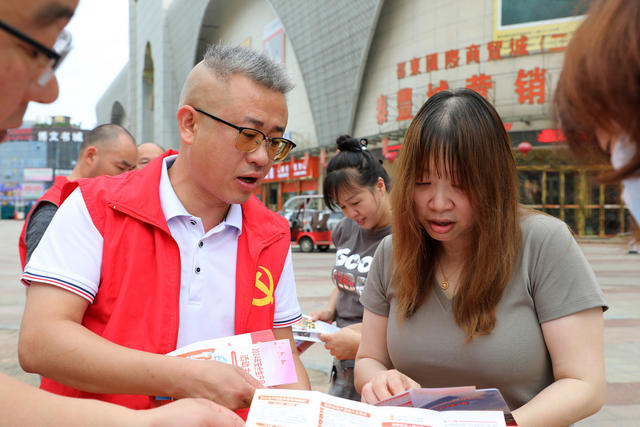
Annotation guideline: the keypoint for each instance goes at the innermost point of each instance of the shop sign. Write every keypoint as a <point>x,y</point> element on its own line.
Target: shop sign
<point>294,169</point>
<point>547,136</point>
<point>45,135</point>
<point>282,171</point>
<point>20,134</point>
<point>62,172</point>
<point>38,174</point>
<point>60,135</point>
<point>32,190</point>
<point>529,85</point>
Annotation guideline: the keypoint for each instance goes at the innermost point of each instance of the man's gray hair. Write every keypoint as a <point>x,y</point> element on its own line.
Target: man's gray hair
<point>225,61</point>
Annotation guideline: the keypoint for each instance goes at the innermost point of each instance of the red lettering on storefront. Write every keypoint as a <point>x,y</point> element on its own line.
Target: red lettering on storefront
<point>480,83</point>
<point>432,62</point>
<point>451,58</point>
<point>519,46</point>
<point>404,104</point>
<point>547,136</point>
<point>473,53</point>
<point>381,110</point>
<point>493,47</point>
<point>401,72</point>
<point>444,85</point>
<point>415,66</point>
<point>531,84</point>
<point>557,39</point>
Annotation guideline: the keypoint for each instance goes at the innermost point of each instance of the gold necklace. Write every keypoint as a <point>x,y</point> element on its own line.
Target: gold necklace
<point>444,285</point>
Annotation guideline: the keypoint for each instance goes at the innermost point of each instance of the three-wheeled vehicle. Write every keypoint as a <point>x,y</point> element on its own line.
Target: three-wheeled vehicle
<point>310,221</point>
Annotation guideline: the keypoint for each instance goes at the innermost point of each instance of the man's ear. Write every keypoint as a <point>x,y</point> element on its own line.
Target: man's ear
<point>90,155</point>
<point>187,124</point>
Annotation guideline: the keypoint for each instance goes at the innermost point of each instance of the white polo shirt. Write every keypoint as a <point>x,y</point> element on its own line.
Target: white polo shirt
<point>207,260</point>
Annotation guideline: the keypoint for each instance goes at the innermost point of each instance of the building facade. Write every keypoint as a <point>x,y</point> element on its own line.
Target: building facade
<point>30,157</point>
<point>364,67</point>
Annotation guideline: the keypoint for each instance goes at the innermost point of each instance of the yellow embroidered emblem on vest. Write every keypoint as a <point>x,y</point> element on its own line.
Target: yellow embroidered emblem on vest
<point>267,291</point>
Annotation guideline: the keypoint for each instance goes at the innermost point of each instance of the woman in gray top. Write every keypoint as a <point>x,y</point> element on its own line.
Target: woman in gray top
<point>475,290</point>
<point>357,184</point>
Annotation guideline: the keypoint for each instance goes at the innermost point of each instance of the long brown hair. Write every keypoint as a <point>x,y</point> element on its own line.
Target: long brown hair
<point>599,86</point>
<point>462,132</point>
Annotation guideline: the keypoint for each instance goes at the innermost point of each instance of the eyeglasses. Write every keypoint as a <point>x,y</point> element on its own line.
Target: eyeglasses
<point>249,140</point>
<point>50,58</point>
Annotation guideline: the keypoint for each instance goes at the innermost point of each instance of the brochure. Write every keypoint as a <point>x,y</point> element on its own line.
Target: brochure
<point>466,398</point>
<point>299,408</point>
<point>310,330</point>
<point>269,360</point>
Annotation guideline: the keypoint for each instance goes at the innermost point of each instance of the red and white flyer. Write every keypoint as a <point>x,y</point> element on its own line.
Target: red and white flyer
<point>300,408</point>
<point>268,360</point>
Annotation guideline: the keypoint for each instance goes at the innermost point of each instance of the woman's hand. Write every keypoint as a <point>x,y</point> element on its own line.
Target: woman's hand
<point>325,315</point>
<point>343,345</point>
<point>386,384</point>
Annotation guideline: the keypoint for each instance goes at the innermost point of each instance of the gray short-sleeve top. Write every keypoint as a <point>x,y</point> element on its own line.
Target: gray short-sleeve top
<point>355,247</point>
<point>551,280</point>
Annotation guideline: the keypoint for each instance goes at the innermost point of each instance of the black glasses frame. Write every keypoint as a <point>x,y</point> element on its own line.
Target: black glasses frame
<point>49,53</point>
<point>290,143</point>
<point>54,56</point>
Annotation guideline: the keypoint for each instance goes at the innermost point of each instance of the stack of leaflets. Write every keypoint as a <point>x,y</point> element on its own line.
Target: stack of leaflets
<point>299,408</point>
<point>307,331</point>
<point>466,398</point>
<point>268,360</point>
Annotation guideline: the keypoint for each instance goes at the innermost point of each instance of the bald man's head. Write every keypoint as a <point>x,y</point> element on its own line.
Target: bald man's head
<point>147,152</point>
<point>107,150</point>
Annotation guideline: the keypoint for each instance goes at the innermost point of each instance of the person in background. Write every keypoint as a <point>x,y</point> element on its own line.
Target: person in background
<point>471,288</point>
<point>32,44</point>
<point>106,150</point>
<point>357,184</point>
<point>597,99</point>
<point>147,152</point>
<point>137,265</point>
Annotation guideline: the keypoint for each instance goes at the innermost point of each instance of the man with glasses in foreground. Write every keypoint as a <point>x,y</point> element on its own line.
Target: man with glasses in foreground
<point>174,253</point>
<point>32,43</point>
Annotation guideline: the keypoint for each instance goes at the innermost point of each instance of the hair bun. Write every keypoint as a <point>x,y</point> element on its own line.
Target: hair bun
<point>349,143</point>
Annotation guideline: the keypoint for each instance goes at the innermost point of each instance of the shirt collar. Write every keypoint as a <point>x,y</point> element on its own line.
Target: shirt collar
<point>172,206</point>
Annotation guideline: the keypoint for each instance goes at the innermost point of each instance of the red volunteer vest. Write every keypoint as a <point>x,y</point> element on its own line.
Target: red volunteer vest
<point>137,304</point>
<point>52,195</point>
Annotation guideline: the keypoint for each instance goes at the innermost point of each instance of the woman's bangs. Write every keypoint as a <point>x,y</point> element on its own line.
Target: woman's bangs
<point>443,153</point>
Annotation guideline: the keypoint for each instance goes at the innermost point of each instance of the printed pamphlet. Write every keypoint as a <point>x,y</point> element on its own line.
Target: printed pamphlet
<point>307,331</point>
<point>310,330</point>
<point>299,408</point>
<point>466,398</point>
<point>269,360</point>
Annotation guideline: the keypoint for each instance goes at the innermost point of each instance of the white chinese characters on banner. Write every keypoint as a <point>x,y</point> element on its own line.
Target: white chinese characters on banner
<point>282,171</point>
<point>60,136</point>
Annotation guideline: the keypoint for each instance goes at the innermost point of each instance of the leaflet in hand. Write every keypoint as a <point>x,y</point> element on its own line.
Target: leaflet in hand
<point>452,399</point>
<point>268,360</point>
<point>310,330</point>
<point>299,408</point>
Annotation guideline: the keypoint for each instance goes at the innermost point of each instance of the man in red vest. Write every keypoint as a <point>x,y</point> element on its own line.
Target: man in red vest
<point>108,149</point>
<point>32,44</point>
<point>136,265</point>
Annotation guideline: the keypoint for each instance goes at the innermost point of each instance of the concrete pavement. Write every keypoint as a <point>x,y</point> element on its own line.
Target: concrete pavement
<point>617,272</point>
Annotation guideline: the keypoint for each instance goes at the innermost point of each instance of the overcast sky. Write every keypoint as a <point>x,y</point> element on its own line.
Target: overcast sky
<point>100,31</point>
